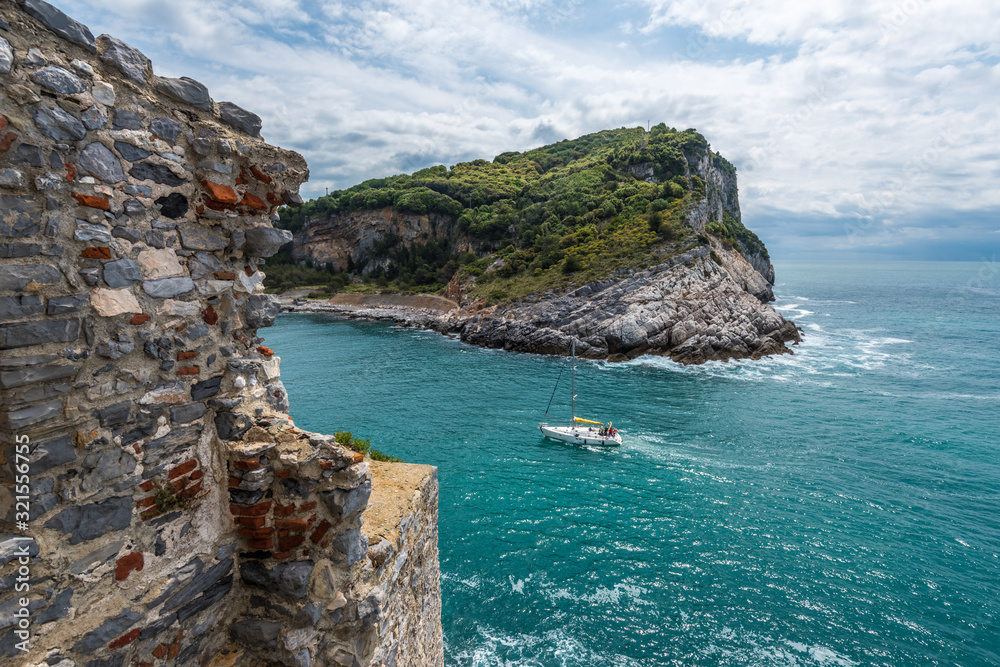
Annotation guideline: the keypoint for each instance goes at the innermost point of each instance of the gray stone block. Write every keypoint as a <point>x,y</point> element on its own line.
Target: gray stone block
<point>185,90</point>
<point>61,24</point>
<point>165,129</point>
<point>203,266</point>
<point>13,546</point>
<point>6,55</point>
<point>213,594</point>
<point>177,440</point>
<point>18,276</point>
<point>147,171</point>
<point>277,396</point>
<point>28,154</point>
<point>58,80</point>
<point>197,237</point>
<point>106,632</point>
<point>258,634</point>
<point>231,425</point>
<point>288,579</point>
<point>18,377</point>
<point>87,522</point>
<point>116,346</point>
<point>88,232</point>
<point>173,206</point>
<point>20,219</point>
<point>23,334</point>
<point>59,125</point>
<point>115,414</point>
<point>126,119</point>
<point>345,503</point>
<point>133,207</point>
<point>129,235</point>
<point>60,305</point>
<point>240,119</point>
<point>98,159</point>
<point>48,454</point>
<point>93,119</point>
<point>128,59</point>
<point>265,241</point>
<point>199,585</point>
<point>166,288</point>
<point>121,273</point>
<point>185,414</point>
<point>206,389</point>
<point>105,465</point>
<point>19,307</point>
<point>261,311</point>
<point>353,544</point>
<point>130,152</point>
<point>17,250</point>
<point>57,609</point>
<point>32,414</point>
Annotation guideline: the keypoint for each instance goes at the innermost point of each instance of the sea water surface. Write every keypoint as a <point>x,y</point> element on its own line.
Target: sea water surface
<point>838,506</point>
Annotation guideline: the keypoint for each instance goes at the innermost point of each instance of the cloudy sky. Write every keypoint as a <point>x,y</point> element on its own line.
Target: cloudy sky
<point>859,128</point>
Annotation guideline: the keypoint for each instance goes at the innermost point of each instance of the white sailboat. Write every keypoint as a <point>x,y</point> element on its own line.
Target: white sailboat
<point>579,431</point>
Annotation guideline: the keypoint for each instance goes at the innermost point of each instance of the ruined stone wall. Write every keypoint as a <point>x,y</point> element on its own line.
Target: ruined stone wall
<point>176,516</point>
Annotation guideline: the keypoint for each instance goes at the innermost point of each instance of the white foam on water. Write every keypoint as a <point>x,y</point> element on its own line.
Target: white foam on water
<point>553,647</point>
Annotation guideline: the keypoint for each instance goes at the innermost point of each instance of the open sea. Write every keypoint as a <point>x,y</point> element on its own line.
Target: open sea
<point>838,506</point>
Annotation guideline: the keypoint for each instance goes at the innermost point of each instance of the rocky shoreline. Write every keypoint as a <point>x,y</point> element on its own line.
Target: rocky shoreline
<point>703,305</point>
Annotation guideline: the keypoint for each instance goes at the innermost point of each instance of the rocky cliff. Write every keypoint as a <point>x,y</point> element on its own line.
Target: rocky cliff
<point>700,295</point>
<point>158,506</point>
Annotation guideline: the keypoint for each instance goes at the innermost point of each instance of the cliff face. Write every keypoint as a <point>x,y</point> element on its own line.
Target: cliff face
<point>338,238</point>
<point>706,300</point>
<point>157,504</point>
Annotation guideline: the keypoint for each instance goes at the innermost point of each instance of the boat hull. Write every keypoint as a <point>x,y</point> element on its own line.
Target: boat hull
<point>578,435</point>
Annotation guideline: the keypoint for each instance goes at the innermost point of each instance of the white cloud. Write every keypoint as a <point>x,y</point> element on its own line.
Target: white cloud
<point>873,110</point>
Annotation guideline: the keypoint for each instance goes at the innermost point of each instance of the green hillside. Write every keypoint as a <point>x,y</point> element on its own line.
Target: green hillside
<point>566,213</point>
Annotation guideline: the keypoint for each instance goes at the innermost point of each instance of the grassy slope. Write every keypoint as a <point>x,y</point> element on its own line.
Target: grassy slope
<point>545,219</point>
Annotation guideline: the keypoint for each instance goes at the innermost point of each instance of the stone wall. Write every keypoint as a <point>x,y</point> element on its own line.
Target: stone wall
<point>177,516</point>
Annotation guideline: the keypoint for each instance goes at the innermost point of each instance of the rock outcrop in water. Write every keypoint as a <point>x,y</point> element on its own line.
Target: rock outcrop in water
<point>699,293</point>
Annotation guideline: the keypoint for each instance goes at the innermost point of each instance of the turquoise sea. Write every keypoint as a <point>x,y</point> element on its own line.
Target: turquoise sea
<point>840,506</point>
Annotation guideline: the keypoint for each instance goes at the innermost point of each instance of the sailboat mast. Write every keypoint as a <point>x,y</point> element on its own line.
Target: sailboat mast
<point>573,387</point>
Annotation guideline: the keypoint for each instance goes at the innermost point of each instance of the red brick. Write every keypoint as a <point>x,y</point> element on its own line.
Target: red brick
<point>271,197</point>
<point>183,468</point>
<point>260,509</point>
<point>358,458</point>
<point>219,206</point>
<point>249,270</point>
<point>196,475</point>
<point>251,521</point>
<point>70,171</point>
<point>149,501</point>
<point>125,639</point>
<point>282,533</point>
<point>3,123</point>
<point>246,464</point>
<point>92,201</point>
<point>260,544</point>
<point>6,141</point>
<point>308,506</point>
<point>266,351</point>
<point>187,354</point>
<point>96,253</point>
<point>150,513</point>
<point>290,542</point>
<point>200,209</point>
<point>210,316</point>
<point>126,564</point>
<point>283,555</point>
<point>192,491</point>
<point>175,648</point>
<point>147,485</point>
<point>181,327</point>
<point>142,318</point>
<point>225,275</point>
<point>326,465</point>
<point>259,175</point>
<point>254,201</point>
<point>283,510</point>
<point>220,193</point>
<point>291,524</point>
<point>320,531</point>
<point>188,370</point>
<point>256,533</point>
<point>282,473</point>
<point>234,482</point>
<point>160,651</point>
<point>143,664</point>
<point>178,485</point>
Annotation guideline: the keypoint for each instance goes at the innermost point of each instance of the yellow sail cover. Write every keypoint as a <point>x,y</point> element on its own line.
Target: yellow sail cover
<point>581,420</point>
